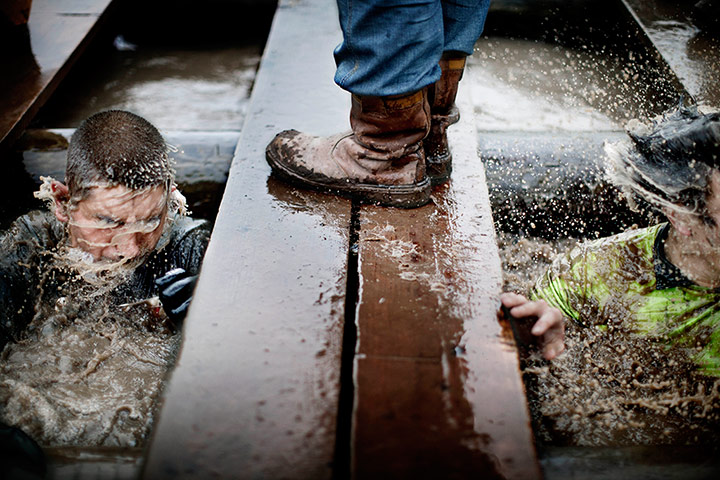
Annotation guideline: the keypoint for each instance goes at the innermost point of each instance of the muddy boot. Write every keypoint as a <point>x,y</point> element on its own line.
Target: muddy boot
<point>380,161</point>
<point>443,113</point>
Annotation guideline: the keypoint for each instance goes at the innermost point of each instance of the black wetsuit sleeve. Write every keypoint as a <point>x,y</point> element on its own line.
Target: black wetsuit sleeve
<point>188,250</point>
<point>22,247</point>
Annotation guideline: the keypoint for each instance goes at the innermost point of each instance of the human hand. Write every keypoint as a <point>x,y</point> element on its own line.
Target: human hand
<point>175,292</point>
<point>549,327</point>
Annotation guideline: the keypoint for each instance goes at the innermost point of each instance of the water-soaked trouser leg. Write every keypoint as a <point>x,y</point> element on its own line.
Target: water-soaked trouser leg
<point>390,47</point>
<point>463,22</point>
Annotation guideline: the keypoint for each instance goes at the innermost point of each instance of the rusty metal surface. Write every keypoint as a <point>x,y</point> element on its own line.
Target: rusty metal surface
<point>254,393</point>
<point>41,56</point>
<point>438,391</point>
<point>692,54</point>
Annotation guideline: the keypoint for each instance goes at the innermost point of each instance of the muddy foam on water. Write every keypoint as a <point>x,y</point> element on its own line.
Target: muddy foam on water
<point>614,389</point>
<point>610,388</point>
<point>91,364</point>
<point>88,372</point>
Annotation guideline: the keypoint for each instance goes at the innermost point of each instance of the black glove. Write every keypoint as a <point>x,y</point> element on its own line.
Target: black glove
<point>175,292</point>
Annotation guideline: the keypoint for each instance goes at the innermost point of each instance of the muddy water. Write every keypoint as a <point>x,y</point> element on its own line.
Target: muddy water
<point>614,389</point>
<point>174,89</point>
<point>524,259</point>
<point>87,372</point>
<point>540,87</point>
<point>93,383</point>
<point>609,388</point>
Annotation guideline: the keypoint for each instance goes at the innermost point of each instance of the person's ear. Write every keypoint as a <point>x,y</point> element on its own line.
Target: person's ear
<point>679,221</point>
<point>61,195</point>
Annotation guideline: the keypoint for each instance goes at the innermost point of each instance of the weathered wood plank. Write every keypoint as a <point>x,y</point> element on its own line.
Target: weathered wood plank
<point>438,389</point>
<point>692,55</point>
<point>255,391</point>
<point>35,64</point>
<point>108,463</point>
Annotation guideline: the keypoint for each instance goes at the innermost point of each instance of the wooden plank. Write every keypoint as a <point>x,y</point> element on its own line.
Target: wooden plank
<point>34,66</point>
<point>693,57</point>
<point>438,388</point>
<point>255,390</point>
<point>72,463</point>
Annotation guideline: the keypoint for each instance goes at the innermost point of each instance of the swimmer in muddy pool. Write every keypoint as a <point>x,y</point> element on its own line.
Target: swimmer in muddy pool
<point>656,287</point>
<point>93,291</point>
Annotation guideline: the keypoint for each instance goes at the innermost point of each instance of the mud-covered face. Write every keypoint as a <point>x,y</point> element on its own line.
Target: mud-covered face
<point>706,227</point>
<point>116,223</point>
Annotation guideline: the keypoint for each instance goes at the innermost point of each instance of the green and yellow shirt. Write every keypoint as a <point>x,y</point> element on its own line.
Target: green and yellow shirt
<point>627,280</point>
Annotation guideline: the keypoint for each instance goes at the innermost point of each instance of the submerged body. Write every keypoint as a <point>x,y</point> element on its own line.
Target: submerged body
<point>626,282</point>
<point>86,355</point>
<point>642,364</point>
<point>643,346</point>
<point>37,241</point>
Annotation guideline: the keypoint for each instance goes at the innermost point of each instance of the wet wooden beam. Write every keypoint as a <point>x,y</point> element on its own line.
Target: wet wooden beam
<point>255,390</point>
<point>117,463</point>
<point>38,56</point>
<point>438,391</point>
<point>692,54</point>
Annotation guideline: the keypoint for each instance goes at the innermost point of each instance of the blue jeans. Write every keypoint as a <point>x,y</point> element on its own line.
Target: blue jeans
<point>392,47</point>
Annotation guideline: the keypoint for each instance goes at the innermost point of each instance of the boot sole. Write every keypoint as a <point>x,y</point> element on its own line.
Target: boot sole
<point>400,196</point>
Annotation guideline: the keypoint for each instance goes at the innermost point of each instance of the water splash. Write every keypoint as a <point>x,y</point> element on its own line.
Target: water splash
<point>611,387</point>
<point>86,372</point>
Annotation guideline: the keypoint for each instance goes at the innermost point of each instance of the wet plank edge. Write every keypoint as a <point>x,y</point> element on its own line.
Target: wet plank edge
<point>23,99</point>
<point>438,389</point>
<point>644,36</point>
<point>255,390</point>
<point>695,59</point>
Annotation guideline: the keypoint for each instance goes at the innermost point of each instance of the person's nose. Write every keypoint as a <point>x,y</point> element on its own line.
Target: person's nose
<point>130,246</point>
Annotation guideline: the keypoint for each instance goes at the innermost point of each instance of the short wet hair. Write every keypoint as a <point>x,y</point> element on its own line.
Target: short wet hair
<point>114,148</point>
<point>670,163</point>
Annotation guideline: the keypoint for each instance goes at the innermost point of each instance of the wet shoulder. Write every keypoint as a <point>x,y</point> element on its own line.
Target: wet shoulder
<point>632,249</point>
<point>37,228</point>
<point>612,265</point>
<point>639,240</point>
<point>187,242</point>
<point>184,227</point>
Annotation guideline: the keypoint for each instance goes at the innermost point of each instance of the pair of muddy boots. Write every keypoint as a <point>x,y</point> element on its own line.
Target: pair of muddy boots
<point>396,150</point>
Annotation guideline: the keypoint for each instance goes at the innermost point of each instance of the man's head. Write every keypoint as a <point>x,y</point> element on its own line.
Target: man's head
<point>674,165</point>
<point>671,163</point>
<point>118,184</point>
